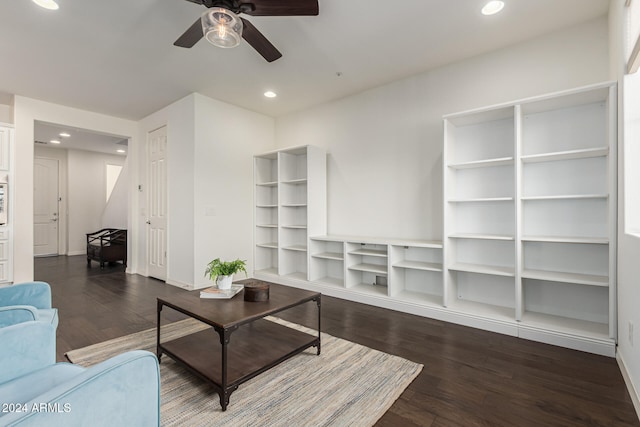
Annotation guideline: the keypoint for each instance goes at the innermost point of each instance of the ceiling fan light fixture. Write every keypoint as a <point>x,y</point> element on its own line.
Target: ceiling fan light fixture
<point>221,27</point>
<point>492,7</point>
<point>47,4</point>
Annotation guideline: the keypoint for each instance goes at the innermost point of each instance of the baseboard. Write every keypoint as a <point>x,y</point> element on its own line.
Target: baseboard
<point>590,345</point>
<point>635,397</point>
<point>180,284</point>
<point>74,253</point>
<point>604,347</point>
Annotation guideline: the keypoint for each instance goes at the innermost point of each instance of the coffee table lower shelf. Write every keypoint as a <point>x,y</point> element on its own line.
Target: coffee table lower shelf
<point>252,349</point>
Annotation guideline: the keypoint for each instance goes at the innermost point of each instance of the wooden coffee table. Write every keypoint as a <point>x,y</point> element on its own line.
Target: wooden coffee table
<point>257,344</point>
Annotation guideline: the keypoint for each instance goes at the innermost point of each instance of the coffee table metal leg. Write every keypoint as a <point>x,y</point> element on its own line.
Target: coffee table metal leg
<point>225,337</point>
<point>318,302</point>
<point>158,349</point>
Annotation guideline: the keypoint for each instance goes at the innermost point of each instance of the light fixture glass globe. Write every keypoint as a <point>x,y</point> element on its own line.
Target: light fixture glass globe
<point>493,7</point>
<point>221,27</point>
<point>47,4</point>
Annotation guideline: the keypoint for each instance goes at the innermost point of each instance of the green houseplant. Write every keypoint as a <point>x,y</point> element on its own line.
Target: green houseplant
<point>222,271</point>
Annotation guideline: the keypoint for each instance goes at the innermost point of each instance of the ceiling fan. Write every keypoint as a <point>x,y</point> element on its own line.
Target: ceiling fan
<point>222,26</point>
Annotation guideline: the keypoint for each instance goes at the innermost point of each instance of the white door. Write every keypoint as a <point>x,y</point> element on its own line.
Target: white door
<point>157,215</point>
<point>45,207</point>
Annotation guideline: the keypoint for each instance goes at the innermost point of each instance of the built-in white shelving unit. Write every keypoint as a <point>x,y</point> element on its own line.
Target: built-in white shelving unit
<point>529,226</point>
<point>290,203</point>
<point>530,216</point>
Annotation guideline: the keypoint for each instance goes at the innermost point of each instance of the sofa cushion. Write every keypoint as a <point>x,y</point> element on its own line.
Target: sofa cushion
<point>31,385</point>
<point>48,315</point>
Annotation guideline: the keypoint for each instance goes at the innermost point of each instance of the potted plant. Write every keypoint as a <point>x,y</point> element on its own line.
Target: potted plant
<point>222,271</point>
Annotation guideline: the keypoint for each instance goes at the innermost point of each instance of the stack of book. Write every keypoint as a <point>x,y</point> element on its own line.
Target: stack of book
<point>214,292</point>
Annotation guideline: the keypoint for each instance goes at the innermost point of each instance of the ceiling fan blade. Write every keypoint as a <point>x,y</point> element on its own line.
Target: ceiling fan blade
<point>259,42</point>
<point>281,7</point>
<point>191,36</point>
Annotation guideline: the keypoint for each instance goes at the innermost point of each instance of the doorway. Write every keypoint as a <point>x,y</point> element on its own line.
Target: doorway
<point>73,173</point>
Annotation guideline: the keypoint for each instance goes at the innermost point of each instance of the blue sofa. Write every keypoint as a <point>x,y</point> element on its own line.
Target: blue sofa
<point>36,391</point>
<point>23,302</point>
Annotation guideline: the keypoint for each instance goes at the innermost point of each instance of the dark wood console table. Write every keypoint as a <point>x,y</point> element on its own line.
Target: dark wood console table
<point>257,345</point>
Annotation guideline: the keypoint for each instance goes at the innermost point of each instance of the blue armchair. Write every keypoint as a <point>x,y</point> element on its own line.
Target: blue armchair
<point>23,302</point>
<point>36,391</point>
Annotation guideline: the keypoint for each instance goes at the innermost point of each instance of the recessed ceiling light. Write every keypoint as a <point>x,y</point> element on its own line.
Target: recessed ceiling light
<point>47,4</point>
<point>54,141</point>
<point>492,7</point>
<point>270,94</point>
<point>120,151</point>
<point>65,135</point>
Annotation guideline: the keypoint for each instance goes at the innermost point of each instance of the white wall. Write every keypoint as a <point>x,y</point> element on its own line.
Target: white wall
<point>116,211</point>
<point>227,137</point>
<point>6,113</point>
<point>628,196</point>
<point>385,145</point>
<point>26,112</point>
<point>87,190</point>
<point>210,183</point>
<point>179,120</point>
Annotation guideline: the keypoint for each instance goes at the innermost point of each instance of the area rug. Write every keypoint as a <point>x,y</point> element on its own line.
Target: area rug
<point>347,385</point>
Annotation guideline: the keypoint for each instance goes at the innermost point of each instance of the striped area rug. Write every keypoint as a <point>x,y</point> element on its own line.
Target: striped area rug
<point>347,385</point>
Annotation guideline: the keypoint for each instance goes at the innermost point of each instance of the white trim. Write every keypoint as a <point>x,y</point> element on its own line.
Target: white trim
<point>633,392</point>
<point>74,253</point>
<point>604,347</point>
<point>179,284</point>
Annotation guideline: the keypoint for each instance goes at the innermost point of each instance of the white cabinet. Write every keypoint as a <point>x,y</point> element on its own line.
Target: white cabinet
<point>6,138</point>
<point>530,216</point>
<point>290,203</point>
<point>6,204</point>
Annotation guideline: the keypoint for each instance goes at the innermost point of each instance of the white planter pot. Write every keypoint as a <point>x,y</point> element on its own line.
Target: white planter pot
<point>224,282</point>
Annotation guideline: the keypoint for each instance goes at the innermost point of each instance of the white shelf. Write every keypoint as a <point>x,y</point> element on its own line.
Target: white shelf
<point>270,245</point>
<point>299,248</point>
<point>419,265</point>
<point>482,199</point>
<point>483,269</point>
<point>329,255</point>
<point>481,236</point>
<point>333,281</point>
<point>436,244</point>
<point>291,186</point>
<point>369,288</point>
<point>295,181</point>
<point>565,239</point>
<point>553,276</point>
<point>296,275</point>
<point>502,161</point>
<point>568,197</point>
<point>420,297</point>
<point>268,271</point>
<point>566,325</point>
<point>566,155</point>
<point>369,252</point>
<point>484,310</point>
<point>370,268</point>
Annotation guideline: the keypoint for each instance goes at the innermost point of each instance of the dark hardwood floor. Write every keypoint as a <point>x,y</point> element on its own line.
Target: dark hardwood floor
<point>470,377</point>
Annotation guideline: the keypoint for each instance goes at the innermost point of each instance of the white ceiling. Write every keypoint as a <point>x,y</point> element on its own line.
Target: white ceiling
<point>78,139</point>
<point>117,56</point>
